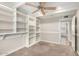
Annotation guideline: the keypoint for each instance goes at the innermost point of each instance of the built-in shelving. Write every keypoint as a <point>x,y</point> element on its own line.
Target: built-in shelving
<point>28,23</point>
<point>6,19</point>
<point>16,22</point>
<point>37,29</point>
<point>20,22</point>
<point>32,30</point>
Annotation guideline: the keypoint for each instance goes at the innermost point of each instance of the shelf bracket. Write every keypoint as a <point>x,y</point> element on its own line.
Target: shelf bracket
<point>2,37</point>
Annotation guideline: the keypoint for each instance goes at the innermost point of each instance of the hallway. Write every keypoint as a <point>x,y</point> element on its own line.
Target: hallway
<point>45,49</point>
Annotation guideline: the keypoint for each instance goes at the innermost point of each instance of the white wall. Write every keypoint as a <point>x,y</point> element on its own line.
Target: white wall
<point>12,43</point>
<point>50,32</point>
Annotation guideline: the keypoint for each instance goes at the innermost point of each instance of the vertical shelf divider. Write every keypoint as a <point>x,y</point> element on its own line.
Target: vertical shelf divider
<point>15,20</point>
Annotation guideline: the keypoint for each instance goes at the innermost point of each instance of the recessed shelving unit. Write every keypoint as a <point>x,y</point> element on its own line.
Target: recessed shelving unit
<point>37,29</point>
<point>16,22</point>
<point>27,23</point>
<point>20,22</point>
<point>32,29</point>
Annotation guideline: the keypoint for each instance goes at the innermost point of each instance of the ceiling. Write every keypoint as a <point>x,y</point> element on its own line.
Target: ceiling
<point>28,9</point>
<point>10,4</point>
<point>61,6</point>
<point>63,9</point>
<point>58,17</point>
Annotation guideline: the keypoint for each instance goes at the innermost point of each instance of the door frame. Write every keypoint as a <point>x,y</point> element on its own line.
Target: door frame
<point>75,34</point>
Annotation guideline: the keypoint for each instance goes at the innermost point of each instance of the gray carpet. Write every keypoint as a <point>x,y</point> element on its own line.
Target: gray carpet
<point>45,49</point>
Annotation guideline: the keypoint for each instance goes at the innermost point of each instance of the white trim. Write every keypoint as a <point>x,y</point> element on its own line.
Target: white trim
<point>53,42</point>
<point>14,50</point>
<point>33,44</point>
<point>78,52</point>
<point>15,19</point>
<point>49,32</point>
<point>12,33</point>
<point>59,31</point>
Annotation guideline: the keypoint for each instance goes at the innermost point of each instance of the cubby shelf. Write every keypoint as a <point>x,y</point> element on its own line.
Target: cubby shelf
<point>21,22</point>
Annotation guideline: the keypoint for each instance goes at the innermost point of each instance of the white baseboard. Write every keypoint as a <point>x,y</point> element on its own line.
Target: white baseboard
<point>30,46</point>
<point>13,51</point>
<point>78,52</point>
<point>33,44</point>
<point>52,42</point>
<point>20,48</point>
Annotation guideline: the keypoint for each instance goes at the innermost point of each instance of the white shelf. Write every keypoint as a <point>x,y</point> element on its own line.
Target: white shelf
<point>11,33</point>
<point>20,13</point>
<point>19,23</point>
<point>6,22</point>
